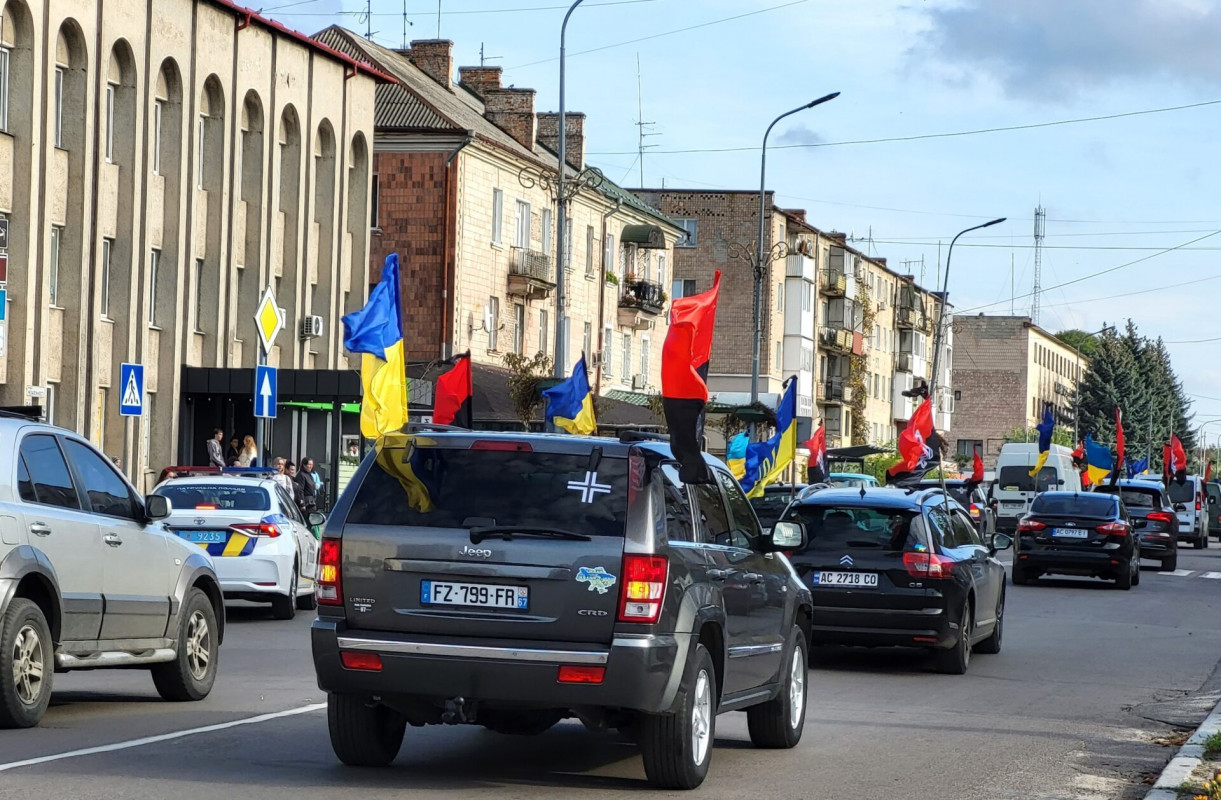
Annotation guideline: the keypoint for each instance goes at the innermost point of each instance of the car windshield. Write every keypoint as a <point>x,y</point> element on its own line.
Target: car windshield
<point>769,507</point>
<point>215,496</point>
<point>1074,505</point>
<point>1018,479</point>
<point>1134,498</point>
<point>450,488</point>
<point>853,527</point>
<point>1181,492</point>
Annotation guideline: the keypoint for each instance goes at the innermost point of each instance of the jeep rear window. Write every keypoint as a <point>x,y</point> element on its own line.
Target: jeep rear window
<point>856,528</point>
<point>450,488</point>
<point>215,497</point>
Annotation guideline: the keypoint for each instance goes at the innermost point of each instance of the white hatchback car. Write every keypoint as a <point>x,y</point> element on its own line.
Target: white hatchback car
<point>263,548</point>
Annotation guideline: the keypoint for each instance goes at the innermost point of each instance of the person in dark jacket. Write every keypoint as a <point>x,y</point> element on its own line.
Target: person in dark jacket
<point>307,487</point>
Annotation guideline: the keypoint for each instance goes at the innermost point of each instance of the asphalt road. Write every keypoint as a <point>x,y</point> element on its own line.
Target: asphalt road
<point>1074,707</point>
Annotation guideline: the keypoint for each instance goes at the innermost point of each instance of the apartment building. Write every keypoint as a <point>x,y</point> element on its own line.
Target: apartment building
<point>160,164</point>
<point>464,173</point>
<point>1008,369</point>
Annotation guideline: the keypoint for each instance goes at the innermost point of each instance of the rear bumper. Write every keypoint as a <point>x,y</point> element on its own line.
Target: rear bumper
<point>1072,563</point>
<point>1157,547</point>
<point>642,672</point>
<point>254,575</point>
<point>872,627</point>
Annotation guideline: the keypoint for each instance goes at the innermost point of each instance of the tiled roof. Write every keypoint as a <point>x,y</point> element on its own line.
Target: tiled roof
<point>396,107</point>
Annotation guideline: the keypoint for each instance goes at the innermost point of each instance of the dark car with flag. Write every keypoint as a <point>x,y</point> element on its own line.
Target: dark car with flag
<point>889,567</point>
<point>1153,519</point>
<point>1086,534</point>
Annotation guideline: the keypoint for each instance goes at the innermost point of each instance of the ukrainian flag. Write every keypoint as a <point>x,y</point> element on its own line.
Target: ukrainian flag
<point>767,461</point>
<point>735,455</point>
<point>1045,429</point>
<point>401,457</point>
<point>377,331</point>
<point>1098,461</point>
<point>570,403</point>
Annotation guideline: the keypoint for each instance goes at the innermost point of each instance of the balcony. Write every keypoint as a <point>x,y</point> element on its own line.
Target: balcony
<point>835,391</point>
<point>833,284</point>
<point>835,339</point>
<point>531,273</point>
<point>907,318</point>
<point>644,296</point>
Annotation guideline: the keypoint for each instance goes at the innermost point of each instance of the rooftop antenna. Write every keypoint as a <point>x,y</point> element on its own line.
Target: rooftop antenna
<point>368,19</point>
<point>1040,228</point>
<point>483,59</point>
<point>406,23</point>
<point>1012,290</point>
<point>438,19</point>
<point>640,123</point>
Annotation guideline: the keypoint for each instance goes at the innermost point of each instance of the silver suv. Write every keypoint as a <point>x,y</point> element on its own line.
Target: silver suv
<point>90,577</point>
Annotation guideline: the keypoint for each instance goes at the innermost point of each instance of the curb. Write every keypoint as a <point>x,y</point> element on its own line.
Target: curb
<point>1190,756</point>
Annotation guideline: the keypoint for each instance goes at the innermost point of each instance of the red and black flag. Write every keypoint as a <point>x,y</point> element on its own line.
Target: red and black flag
<point>977,470</point>
<point>1208,471</point>
<point>454,395</point>
<point>1119,446</point>
<point>816,469</point>
<point>1176,460</point>
<point>684,378</point>
<point>919,446</point>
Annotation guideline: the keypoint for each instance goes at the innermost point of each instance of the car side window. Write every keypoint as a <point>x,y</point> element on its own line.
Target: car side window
<point>25,486</point>
<point>49,476</point>
<point>108,494</point>
<point>941,525</point>
<point>746,528</point>
<point>714,517</point>
<point>289,507</point>
<point>679,522</point>
<point>965,529</point>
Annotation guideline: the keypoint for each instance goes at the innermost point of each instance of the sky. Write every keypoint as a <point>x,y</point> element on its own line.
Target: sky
<point>1128,180</point>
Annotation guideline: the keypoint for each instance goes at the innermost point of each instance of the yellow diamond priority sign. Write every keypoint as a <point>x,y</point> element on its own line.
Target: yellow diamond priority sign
<point>268,319</point>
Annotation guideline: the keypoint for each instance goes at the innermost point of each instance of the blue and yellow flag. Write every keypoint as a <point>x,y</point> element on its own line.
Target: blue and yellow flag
<point>1045,428</point>
<point>377,331</point>
<point>570,403</point>
<point>735,455</point>
<point>1098,461</point>
<point>767,461</point>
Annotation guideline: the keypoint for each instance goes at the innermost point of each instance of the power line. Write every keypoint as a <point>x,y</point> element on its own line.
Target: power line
<point>918,137</point>
<point>450,13</point>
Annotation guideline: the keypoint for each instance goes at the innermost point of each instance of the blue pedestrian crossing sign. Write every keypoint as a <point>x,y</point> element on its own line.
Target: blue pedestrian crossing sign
<point>265,392</point>
<point>131,389</point>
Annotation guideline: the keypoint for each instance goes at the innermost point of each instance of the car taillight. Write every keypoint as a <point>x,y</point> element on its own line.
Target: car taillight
<point>974,511</point>
<point>365,662</point>
<point>581,674</point>
<point>1197,505</point>
<point>328,589</point>
<point>1160,516</point>
<point>1113,529</point>
<point>644,588</point>
<point>928,565</point>
<point>1030,525</point>
<point>205,507</point>
<point>263,530</point>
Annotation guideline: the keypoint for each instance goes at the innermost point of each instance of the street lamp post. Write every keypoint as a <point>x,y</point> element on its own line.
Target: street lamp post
<point>759,264</point>
<point>561,214</point>
<point>1077,383</point>
<point>945,294</point>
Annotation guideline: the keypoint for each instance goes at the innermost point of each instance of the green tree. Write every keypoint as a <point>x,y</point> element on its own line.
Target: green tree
<point>1087,343</point>
<point>1111,381</point>
<point>1059,435</point>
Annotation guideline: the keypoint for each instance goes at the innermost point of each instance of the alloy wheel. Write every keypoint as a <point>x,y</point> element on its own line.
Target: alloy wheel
<point>199,645</point>
<point>28,665</point>
<point>701,718</point>
<point>797,688</point>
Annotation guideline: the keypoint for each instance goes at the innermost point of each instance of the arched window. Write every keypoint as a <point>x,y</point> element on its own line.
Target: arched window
<point>355,278</point>
<point>319,294</point>
<point>248,240</point>
<point>289,209</point>
<point>204,289</point>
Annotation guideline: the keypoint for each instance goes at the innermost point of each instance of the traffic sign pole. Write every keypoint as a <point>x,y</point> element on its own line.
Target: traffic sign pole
<point>268,322</point>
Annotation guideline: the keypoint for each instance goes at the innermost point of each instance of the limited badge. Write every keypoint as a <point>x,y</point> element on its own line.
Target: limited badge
<point>598,578</point>
<point>589,487</point>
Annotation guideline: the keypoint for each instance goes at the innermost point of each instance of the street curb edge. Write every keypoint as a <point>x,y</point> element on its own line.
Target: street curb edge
<point>1189,756</point>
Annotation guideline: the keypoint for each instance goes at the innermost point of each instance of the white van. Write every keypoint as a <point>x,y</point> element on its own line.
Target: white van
<point>1190,502</point>
<point>1014,488</point>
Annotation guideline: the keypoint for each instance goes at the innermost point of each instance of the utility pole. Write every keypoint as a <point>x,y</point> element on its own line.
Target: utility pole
<point>1012,291</point>
<point>438,19</point>
<point>1040,227</point>
<point>406,24</point>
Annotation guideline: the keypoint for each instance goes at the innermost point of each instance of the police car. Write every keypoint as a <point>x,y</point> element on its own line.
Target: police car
<point>262,546</point>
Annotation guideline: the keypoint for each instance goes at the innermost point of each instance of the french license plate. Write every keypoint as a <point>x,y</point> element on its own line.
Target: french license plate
<point>482,595</point>
<point>854,580</point>
<point>204,537</point>
<point>1070,533</point>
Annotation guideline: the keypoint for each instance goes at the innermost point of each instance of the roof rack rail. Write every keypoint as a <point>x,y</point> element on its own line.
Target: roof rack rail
<point>33,413</point>
<point>627,437</point>
<point>414,427</point>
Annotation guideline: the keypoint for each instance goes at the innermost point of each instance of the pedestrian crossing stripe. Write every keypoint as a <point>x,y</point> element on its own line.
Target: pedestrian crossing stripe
<point>1213,575</point>
<point>1179,573</point>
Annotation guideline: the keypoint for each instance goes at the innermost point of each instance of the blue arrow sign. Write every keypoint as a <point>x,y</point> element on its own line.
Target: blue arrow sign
<point>131,389</point>
<point>265,392</point>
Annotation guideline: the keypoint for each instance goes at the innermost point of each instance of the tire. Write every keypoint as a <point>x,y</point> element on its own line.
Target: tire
<point>193,671</point>
<point>992,645</point>
<point>677,747</point>
<point>1170,564</point>
<point>307,602</point>
<point>1124,579</point>
<point>363,734</point>
<point>520,723</point>
<point>1019,576</point>
<point>284,606</point>
<point>1136,573</point>
<point>1203,540</point>
<point>27,665</point>
<point>778,723</point>
<point>956,660</point>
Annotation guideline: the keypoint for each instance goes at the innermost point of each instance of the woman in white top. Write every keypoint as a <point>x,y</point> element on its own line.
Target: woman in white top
<point>248,457</point>
<point>282,479</point>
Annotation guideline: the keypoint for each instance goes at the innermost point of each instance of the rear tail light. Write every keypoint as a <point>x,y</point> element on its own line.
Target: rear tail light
<point>928,565</point>
<point>1160,516</point>
<point>503,446</point>
<point>1030,525</point>
<point>1197,505</point>
<point>1113,529</point>
<point>974,511</point>
<point>263,530</point>
<point>328,589</point>
<point>366,662</point>
<point>644,588</point>
<point>582,674</point>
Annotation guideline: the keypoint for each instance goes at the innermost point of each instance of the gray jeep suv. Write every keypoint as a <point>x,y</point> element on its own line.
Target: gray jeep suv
<point>514,580</point>
<point>90,578</point>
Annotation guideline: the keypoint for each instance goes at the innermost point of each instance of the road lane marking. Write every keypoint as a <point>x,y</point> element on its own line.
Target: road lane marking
<point>1179,573</point>
<point>1216,576</point>
<point>165,737</point>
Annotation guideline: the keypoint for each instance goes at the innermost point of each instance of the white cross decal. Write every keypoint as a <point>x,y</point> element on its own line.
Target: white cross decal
<point>589,487</point>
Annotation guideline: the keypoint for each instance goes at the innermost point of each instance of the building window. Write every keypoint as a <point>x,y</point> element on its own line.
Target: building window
<point>498,213</point>
<point>154,264</point>
<point>547,230</point>
<point>542,330</point>
<point>110,123</point>
<point>197,288</point>
<point>957,396</point>
<point>158,109</point>
<point>374,197</point>
<point>779,356</point>
<point>966,447</point>
<point>587,339</point>
<point>608,352</point>
<point>4,88</point>
<point>683,288</point>
<point>200,148</point>
<point>107,246</point>
<point>644,357</point>
<point>627,356</point>
<point>521,235</point>
<point>568,244</point>
<point>780,297</point>
<point>493,323</point>
<point>589,249</point>
<point>608,254</point>
<point>60,75</point>
<point>57,235</point>
<point>661,269</point>
<point>692,237</point>
<point>519,328</point>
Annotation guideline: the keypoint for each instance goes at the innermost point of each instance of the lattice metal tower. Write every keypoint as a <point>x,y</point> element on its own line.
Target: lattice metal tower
<point>1040,228</point>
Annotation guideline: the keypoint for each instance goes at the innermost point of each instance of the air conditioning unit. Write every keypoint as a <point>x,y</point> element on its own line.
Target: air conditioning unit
<point>311,327</point>
<point>881,305</point>
<point>595,359</point>
<point>640,382</point>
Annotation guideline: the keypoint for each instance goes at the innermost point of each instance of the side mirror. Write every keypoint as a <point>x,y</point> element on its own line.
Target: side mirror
<point>316,518</point>
<point>787,536</point>
<point>157,507</point>
<point>1001,541</point>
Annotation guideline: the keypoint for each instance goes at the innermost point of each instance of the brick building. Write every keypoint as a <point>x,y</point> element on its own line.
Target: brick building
<point>458,196</point>
<point>1007,368</point>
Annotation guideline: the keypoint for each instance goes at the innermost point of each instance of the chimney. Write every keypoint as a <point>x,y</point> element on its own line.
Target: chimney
<point>881,261</point>
<point>574,136</point>
<point>434,57</point>
<point>479,79</point>
<point>798,214</point>
<point>513,111</point>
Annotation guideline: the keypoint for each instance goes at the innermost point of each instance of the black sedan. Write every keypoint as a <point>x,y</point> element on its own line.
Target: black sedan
<point>1153,519</point>
<point>973,498</point>
<point>1069,533</point>
<point>890,567</point>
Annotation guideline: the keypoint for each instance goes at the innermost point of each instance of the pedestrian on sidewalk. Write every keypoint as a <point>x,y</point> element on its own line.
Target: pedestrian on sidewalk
<point>213,448</point>
<point>249,457</point>
<point>307,487</point>
<point>281,477</point>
